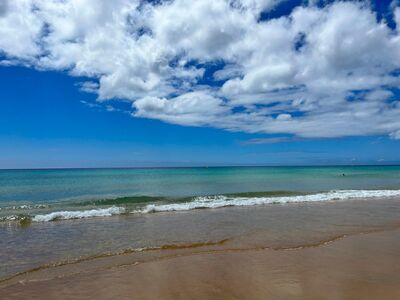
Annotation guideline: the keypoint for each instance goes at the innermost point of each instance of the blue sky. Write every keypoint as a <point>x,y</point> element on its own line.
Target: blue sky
<point>206,103</point>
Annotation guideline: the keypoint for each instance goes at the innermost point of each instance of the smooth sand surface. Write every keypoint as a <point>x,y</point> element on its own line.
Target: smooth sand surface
<point>359,266</point>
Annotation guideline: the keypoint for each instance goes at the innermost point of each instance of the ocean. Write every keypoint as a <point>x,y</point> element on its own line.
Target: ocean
<point>55,217</point>
<point>47,195</point>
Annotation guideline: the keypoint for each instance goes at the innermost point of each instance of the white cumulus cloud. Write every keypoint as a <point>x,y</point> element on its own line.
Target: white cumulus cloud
<point>318,72</point>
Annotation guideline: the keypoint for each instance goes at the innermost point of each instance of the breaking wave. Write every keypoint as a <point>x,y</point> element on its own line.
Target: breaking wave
<point>224,201</point>
<point>144,204</point>
<point>67,215</point>
<point>24,207</point>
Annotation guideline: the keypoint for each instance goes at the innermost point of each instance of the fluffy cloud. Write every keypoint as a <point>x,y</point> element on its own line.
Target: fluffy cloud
<point>318,72</point>
<point>19,29</point>
<point>193,108</point>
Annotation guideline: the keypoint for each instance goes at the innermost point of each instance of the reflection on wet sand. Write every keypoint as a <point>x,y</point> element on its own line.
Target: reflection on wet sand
<point>359,266</point>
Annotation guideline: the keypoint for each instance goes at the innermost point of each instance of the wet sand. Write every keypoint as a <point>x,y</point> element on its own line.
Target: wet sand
<point>363,265</point>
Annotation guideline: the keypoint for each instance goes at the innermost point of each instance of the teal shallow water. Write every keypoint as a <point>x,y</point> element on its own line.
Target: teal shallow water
<point>43,186</point>
<point>30,192</point>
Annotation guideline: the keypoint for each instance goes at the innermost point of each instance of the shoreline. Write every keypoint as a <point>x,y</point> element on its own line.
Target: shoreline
<point>126,275</point>
<point>45,244</point>
<point>208,247</point>
<point>128,205</point>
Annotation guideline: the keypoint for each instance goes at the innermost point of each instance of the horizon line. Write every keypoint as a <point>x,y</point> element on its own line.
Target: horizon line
<point>202,167</point>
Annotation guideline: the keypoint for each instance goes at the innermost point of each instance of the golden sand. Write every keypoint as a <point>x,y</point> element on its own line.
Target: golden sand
<point>359,266</point>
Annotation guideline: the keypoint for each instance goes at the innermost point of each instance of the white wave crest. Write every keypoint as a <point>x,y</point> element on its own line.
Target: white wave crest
<point>223,201</point>
<point>24,207</point>
<point>66,215</point>
<point>11,218</point>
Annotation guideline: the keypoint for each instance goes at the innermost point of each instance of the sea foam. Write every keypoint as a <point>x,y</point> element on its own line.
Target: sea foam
<point>66,215</point>
<point>224,201</point>
<point>24,207</point>
<point>218,202</point>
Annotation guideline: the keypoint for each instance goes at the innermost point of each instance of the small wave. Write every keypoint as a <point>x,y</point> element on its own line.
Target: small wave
<point>67,215</point>
<point>25,207</point>
<point>205,202</point>
<point>140,200</point>
<point>224,201</point>
<point>124,200</point>
<point>126,251</point>
<point>10,218</point>
<point>267,194</point>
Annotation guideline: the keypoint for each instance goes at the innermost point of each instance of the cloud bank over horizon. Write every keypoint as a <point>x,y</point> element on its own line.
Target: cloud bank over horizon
<point>316,72</point>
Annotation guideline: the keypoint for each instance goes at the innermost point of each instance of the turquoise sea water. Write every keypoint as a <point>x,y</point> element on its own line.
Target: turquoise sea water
<point>30,192</point>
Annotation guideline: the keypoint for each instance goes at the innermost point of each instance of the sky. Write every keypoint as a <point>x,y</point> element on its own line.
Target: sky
<point>129,83</point>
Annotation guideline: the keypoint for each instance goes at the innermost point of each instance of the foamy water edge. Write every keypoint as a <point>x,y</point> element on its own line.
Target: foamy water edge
<point>218,202</point>
<point>80,214</point>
